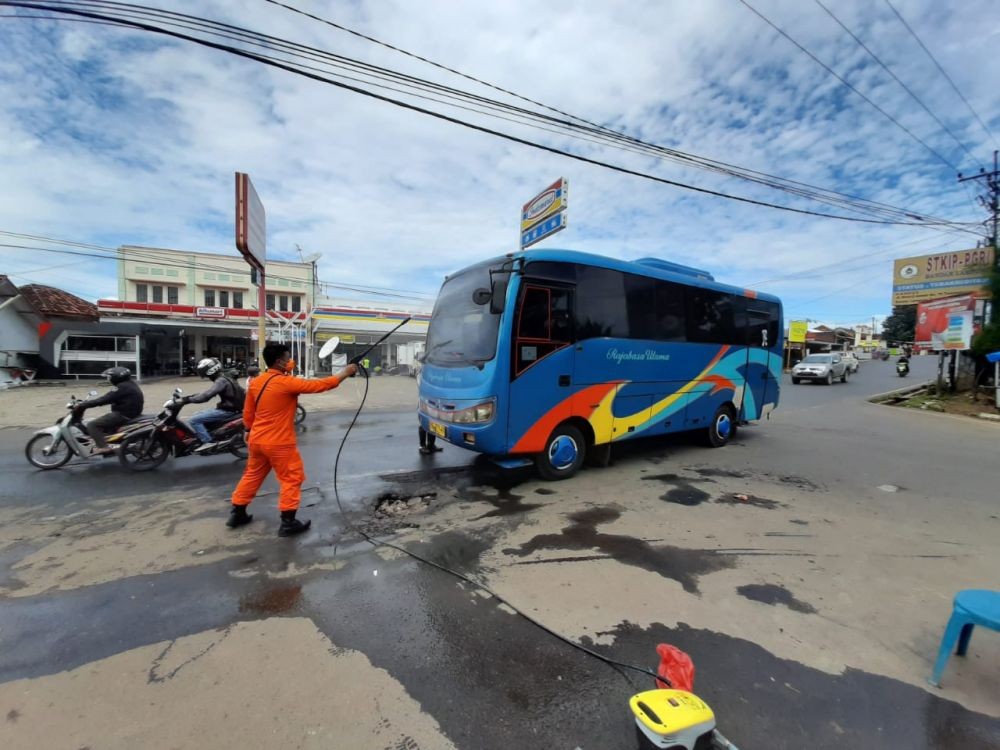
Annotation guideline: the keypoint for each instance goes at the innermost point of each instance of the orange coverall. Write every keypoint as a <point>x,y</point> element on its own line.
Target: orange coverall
<point>272,435</point>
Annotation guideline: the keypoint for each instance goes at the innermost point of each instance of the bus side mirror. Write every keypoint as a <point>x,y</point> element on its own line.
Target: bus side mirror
<point>498,295</point>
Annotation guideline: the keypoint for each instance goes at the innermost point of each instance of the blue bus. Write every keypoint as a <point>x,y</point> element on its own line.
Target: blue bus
<point>555,355</point>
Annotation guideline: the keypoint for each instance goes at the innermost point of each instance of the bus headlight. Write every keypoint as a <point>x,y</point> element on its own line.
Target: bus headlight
<point>476,414</point>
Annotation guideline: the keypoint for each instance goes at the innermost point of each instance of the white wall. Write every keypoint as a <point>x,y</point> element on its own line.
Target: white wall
<point>17,331</point>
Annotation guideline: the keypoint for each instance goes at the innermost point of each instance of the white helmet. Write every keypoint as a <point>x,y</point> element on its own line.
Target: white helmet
<point>209,368</point>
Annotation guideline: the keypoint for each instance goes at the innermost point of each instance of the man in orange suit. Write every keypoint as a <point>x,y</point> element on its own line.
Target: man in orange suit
<point>269,418</point>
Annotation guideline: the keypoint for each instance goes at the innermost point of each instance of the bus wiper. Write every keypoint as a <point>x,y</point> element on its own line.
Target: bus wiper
<point>436,346</point>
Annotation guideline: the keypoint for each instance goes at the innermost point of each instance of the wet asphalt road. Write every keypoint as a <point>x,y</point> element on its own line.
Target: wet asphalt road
<point>490,678</point>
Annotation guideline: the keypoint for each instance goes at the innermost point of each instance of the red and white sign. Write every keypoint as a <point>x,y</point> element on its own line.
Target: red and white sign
<point>210,312</point>
<point>547,203</point>
<point>251,222</point>
<point>946,323</point>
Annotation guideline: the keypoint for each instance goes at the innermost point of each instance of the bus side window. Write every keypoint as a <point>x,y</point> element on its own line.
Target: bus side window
<point>765,322</point>
<point>715,317</point>
<point>600,304</point>
<point>535,319</point>
<point>544,324</point>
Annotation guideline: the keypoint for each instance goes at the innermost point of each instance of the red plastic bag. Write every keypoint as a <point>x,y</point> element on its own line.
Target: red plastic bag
<point>675,666</point>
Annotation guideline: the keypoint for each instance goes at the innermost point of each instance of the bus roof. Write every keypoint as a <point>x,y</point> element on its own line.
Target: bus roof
<point>654,267</point>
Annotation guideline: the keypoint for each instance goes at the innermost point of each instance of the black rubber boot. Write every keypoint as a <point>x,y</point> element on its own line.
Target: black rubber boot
<point>238,516</point>
<point>290,525</point>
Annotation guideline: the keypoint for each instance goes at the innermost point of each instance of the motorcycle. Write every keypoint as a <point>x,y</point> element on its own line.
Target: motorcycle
<point>148,447</point>
<point>52,447</point>
<point>902,369</point>
<point>300,414</point>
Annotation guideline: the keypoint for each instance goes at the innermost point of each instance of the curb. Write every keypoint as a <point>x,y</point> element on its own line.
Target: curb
<point>909,390</point>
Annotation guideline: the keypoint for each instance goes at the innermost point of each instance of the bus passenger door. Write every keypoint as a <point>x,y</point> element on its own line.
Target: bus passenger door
<point>764,321</point>
<point>541,376</point>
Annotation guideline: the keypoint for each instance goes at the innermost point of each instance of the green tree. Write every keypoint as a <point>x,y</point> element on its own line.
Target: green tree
<point>988,339</point>
<point>900,327</point>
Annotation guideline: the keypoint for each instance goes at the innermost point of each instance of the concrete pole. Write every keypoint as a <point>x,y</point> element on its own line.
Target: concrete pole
<point>261,323</point>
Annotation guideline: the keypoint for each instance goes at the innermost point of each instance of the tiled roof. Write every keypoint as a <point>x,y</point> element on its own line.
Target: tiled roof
<point>49,301</point>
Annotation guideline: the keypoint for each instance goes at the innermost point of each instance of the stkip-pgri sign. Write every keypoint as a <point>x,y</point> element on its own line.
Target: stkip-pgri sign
<point>545,214</point>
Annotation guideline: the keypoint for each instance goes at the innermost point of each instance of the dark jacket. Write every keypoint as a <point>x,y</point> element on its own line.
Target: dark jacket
<point>125,398</point>
<point>221,387</point>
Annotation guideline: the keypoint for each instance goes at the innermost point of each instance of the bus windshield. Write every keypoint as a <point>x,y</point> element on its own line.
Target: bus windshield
<point>462,332</point>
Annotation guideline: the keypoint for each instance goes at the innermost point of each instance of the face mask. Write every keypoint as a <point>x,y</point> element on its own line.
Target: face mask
<point>290,366</point>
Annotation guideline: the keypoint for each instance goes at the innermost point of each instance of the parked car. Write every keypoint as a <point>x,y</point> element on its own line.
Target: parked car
<point>852,361</point>
<point>821,368</point>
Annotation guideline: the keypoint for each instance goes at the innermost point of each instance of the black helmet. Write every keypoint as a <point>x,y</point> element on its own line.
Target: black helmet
<point>209,367</point>
<point>253,371</point>
<point>116,375</point>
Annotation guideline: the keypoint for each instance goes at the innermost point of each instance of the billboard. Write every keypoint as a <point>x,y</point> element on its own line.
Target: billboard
<point>545,214</point>
<point>797,330</point>
<point>930,277</point>
<point>251,222</point>
<point>946,323</point>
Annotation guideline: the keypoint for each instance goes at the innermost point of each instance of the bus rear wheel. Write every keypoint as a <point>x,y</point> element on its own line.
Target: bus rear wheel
<point>722,427</point>
<point>564,454</point>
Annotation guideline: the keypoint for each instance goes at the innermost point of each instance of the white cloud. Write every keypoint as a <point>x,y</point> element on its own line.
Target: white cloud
<point>115,137</point>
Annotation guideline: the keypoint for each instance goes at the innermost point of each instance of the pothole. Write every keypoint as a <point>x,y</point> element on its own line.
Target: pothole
<point>390,505</point>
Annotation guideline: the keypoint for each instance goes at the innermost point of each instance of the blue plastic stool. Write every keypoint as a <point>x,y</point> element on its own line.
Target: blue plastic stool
<point>972,607</point>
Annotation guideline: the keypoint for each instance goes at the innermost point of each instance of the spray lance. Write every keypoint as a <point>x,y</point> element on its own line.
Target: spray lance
<point>664,717</point>
<point>360,358</point>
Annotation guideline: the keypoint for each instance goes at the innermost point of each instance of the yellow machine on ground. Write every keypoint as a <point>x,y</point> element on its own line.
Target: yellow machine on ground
<point>668,719</point>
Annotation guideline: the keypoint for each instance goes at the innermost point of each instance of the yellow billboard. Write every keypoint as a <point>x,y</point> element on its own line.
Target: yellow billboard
<point>929,277</point>
<point>797,330</point>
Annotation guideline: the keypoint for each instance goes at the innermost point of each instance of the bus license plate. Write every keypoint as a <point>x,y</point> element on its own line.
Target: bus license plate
<point>438,429</point>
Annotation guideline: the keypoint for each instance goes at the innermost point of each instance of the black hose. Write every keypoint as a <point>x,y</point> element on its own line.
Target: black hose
<point>617,665</point>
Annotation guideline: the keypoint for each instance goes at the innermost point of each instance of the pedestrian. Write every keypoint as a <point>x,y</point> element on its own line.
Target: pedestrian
<point>428,441</point>
<point>269,418</point>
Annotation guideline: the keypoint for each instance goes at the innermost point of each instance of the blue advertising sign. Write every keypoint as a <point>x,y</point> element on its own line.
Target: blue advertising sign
<point>540,231</point>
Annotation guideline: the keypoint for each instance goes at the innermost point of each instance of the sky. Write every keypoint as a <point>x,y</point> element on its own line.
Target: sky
<point>115,136</point>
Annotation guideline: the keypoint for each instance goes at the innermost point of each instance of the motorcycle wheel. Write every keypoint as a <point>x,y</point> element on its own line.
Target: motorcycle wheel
<point>239,447</point>
<point>34,451</point>
<point>300,414</point>
<point>142,452</point>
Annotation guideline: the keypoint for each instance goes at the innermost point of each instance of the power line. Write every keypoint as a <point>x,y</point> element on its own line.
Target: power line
<point>169,263</point>
<point>844,81</point>
<point>169,256</point>
<point>896,78</point>
<point>807,272</point>
<point>289,67</point>
<point>942,71</point>
<point>702,162</point>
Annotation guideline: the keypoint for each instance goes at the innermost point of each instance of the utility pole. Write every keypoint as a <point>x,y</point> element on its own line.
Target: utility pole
<point>991,202</point>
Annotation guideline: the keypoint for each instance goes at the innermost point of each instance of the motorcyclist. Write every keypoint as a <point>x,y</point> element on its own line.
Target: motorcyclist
<point>252,372</point>
<point>227,408</point>
<point>126,402</point>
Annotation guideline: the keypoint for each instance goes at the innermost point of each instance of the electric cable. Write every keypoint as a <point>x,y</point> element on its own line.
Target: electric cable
<point>169,259</point>
<point>844,81</point>
<point>65,9</point>
<point>233,32</point>
<point>896,78</point>
<point>376,542</point>
<point>942,71</point>
<point>762,178</point>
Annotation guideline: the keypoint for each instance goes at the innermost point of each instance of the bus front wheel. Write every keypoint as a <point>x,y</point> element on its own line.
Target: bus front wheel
<point>564,454</point>
<point>722,428</point>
